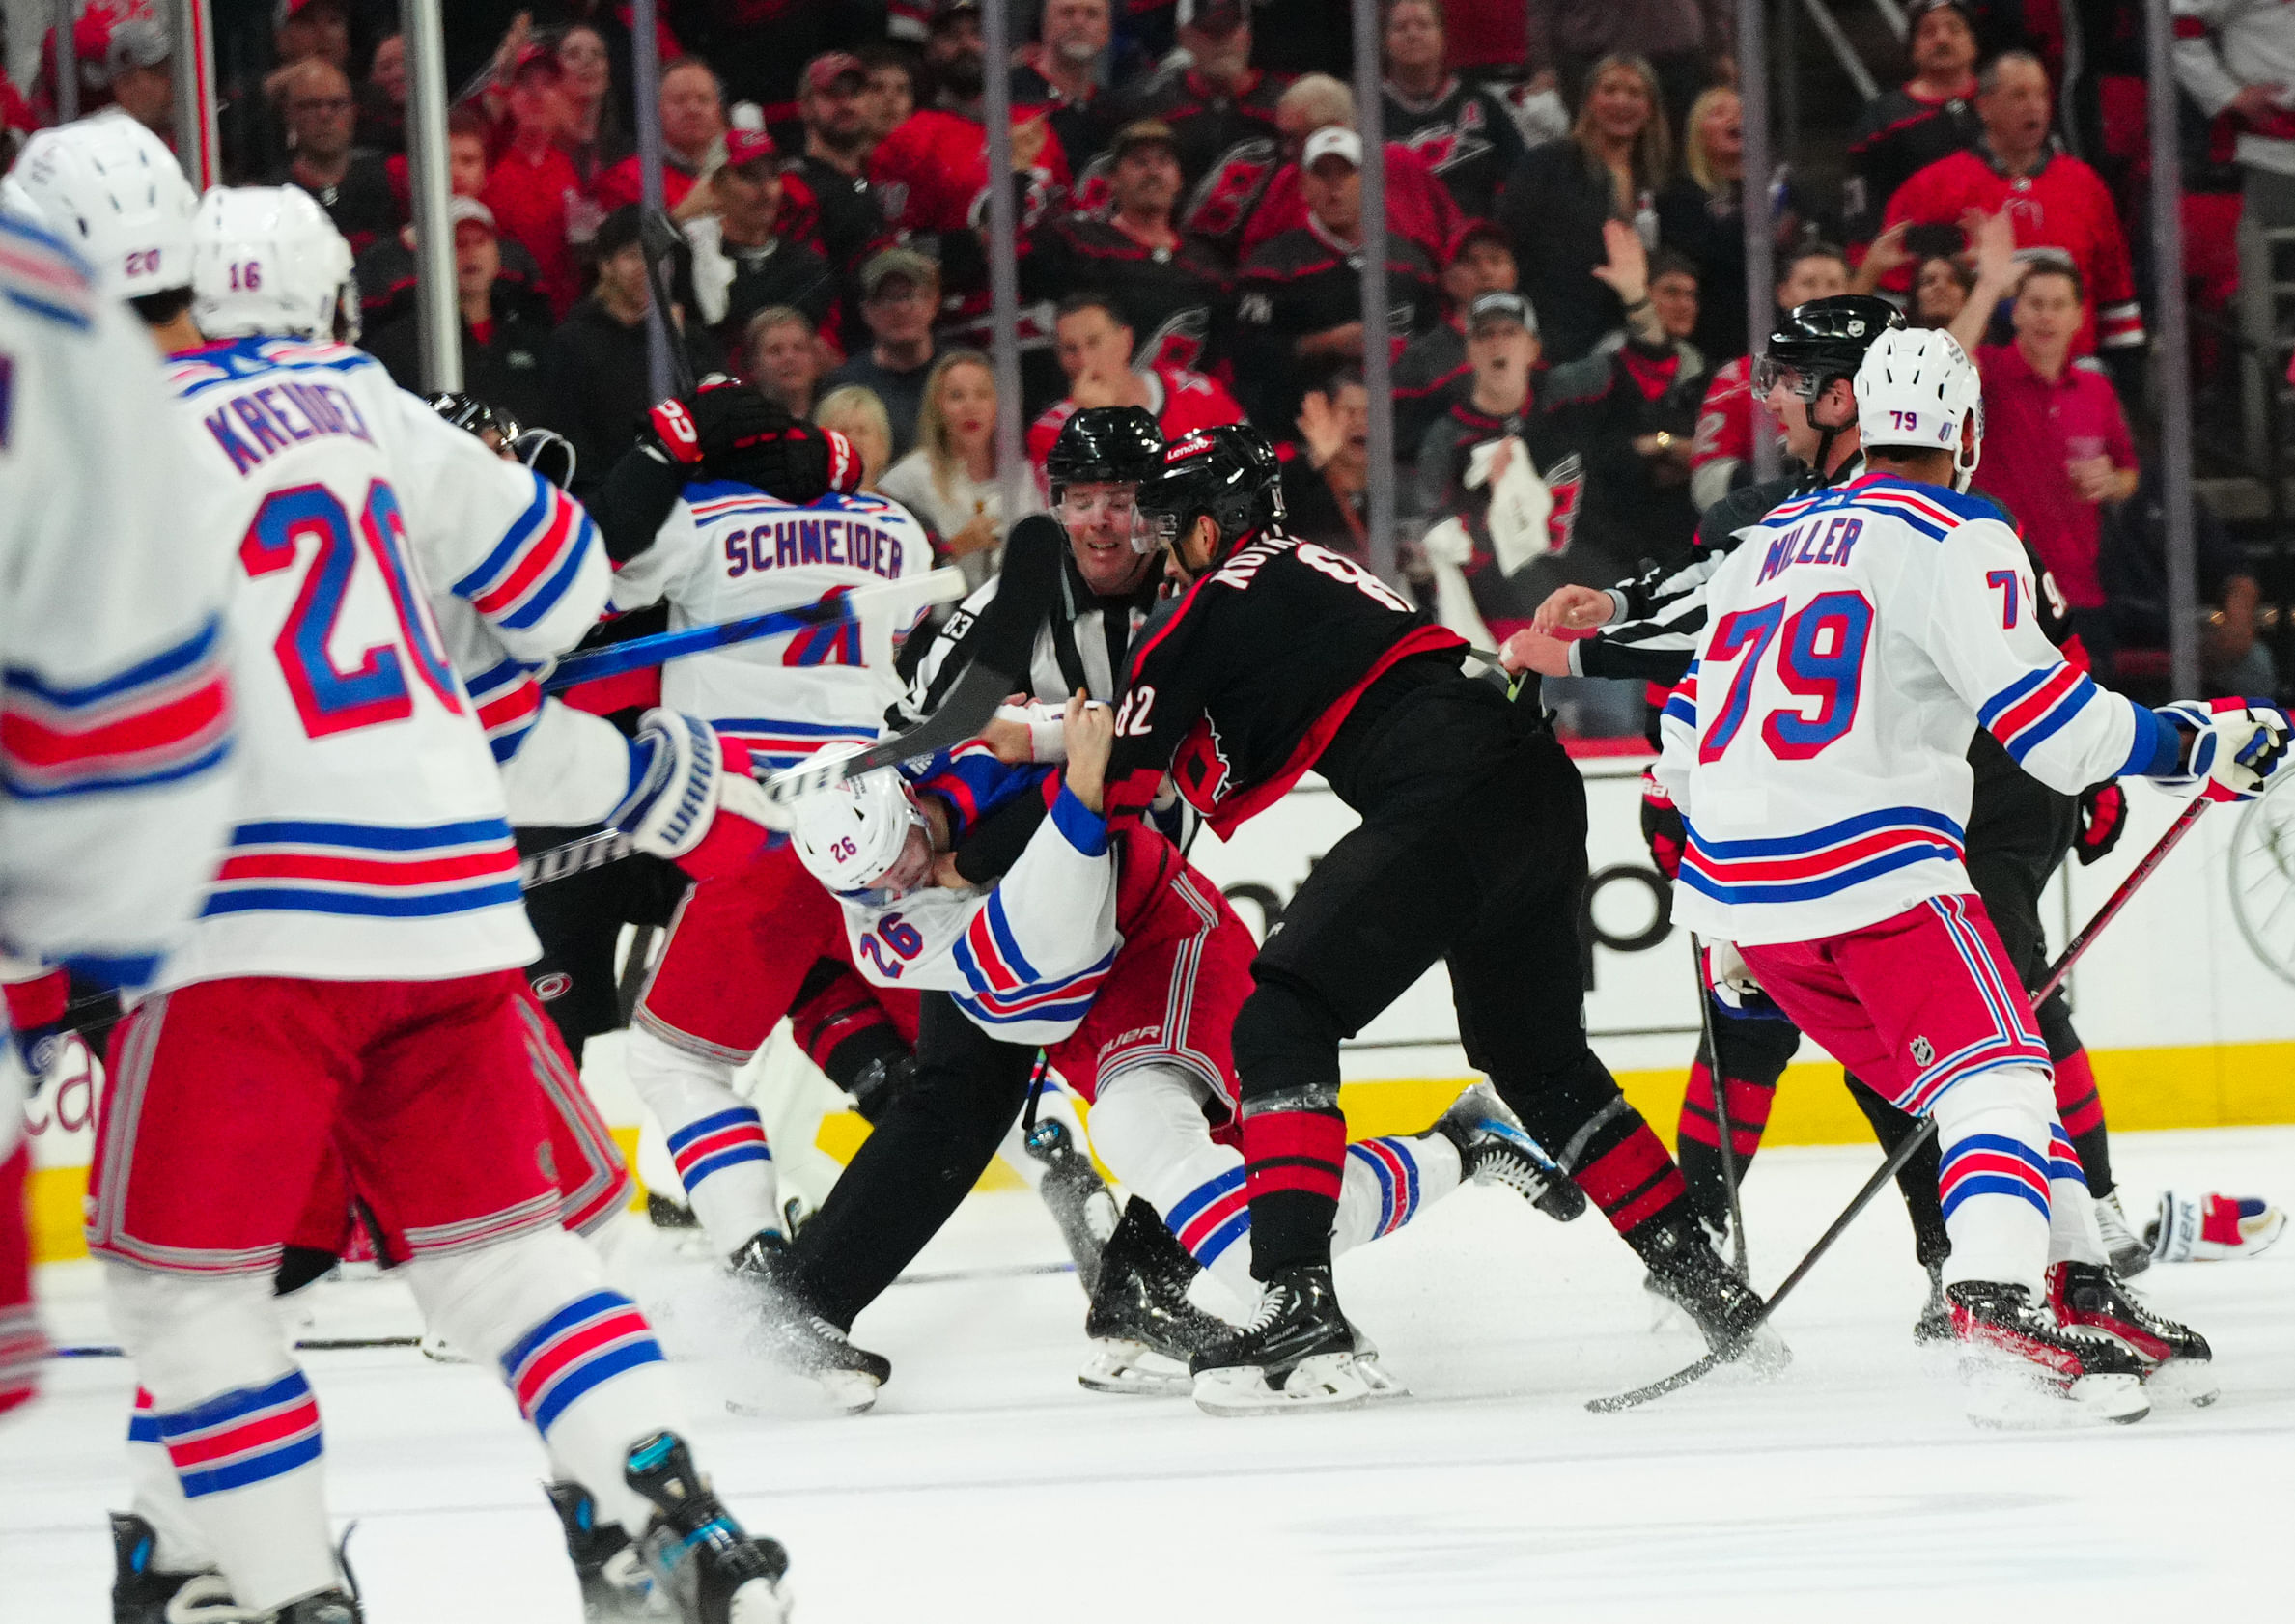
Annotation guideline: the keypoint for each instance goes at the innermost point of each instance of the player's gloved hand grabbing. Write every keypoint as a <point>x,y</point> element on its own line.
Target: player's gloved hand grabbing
<point>2103,819</point>
<point>691,798</point>
<point>2234,746</point>
<point>728,430</point>
<point>1661,828</point>
<point>37,1007</point>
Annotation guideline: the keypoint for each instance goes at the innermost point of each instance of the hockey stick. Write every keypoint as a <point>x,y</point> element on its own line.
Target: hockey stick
<point>936,586</point>
<point>658,239</point>
<point>1905,1152</point>
<point>1721,1108</point>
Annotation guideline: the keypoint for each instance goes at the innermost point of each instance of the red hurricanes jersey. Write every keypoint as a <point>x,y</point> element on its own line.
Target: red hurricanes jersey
<point>1184,402</point>
<point>2064,205</point>
<point>1726,421</point>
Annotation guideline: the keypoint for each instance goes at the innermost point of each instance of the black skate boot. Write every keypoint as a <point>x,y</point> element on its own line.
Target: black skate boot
<point>141,1592</point>
<point>328,1606</point>
<point>1934,1326</point>
<point>1078,1197</point>
<point>1494,1149</point>
<point>1685,1270</point>
<point>616,1586</point>
<point>2023,1368</point>
<point>709,1568</point>
<point>665,1213</point>
<point>797,1336</point>
<point>1145,1328</point>
<point>1297,1353</point>
<point>2177,1361</point>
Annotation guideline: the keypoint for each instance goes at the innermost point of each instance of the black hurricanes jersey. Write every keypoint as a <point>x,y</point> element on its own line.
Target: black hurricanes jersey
<point>1204,121</point>
<point>1169,295</point>
<point>1897,134</point>
<point>1301,282</point>
<point>1237,688</point>
<point>1464,133</point>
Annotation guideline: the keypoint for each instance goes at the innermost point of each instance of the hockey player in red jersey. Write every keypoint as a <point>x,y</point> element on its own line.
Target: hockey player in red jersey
<point>352,977</point>
<point>1281,656</point>
<point>1817,750</point>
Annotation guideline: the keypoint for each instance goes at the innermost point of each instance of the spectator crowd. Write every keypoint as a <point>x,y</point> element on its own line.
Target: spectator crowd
<point>1565,256</point>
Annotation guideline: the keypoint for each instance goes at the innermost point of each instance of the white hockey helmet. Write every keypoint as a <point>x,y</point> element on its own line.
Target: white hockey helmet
<point>267,263</point>
<point>850,834</point>
<point>1915,390</point>
<point>112,189</point>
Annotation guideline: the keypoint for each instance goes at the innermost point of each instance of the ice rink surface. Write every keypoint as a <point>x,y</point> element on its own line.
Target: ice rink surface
<point>987,1485</point>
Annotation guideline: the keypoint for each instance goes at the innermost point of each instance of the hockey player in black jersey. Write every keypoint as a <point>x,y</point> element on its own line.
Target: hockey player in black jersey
<point>2018,829</point>
<point>1280,655</point>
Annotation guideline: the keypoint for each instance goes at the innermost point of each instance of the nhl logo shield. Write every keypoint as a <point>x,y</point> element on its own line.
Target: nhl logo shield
<point>1923,1051</point>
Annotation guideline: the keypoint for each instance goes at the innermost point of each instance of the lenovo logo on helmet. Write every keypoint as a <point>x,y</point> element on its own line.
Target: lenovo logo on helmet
<point>1181,449</point>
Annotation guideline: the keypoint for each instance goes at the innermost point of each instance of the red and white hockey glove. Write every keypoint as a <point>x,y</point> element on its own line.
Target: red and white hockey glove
<point>1661,828</point>
<point>37,1010</point>
<point>2103,819</point>
<point>691,798</point>
<point>2209,1228</point>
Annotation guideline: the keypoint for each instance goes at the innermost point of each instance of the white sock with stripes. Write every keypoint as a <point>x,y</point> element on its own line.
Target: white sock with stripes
<point>715,1138</point>
<point>1995,1185</point>
<point>1149,1129</point>
<point>1388,1183</point>
<point>238,1423</point>
<point>2072,1233</point>
<point>577,1356</point>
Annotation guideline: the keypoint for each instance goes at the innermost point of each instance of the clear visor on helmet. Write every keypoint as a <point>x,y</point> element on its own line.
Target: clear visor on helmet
<point>1089,506</point>
<point>1769,372</point>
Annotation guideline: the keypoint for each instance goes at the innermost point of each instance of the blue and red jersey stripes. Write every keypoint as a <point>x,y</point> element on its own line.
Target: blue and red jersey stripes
<point>1798,867</point>
<point>776,742</point>
<point>723,1140</point>
<point>536,561</point>
<point>2063,1157</point>
<point>1396,1172</point>
<point>1062,1001</point>
<point>248,1435</point>
<point>2013,1041</point>
<point>370,870</point>
<point>587,1342</point>
<point>1681,703</point>
<point>1211,1217</point>
<point>41,276</point>
<point>2035,706</point>
<point>509,702</point>
<point>167,716</point>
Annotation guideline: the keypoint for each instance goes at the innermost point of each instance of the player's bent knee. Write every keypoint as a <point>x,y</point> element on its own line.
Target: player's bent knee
<point>1147,1123</point>
<point>192,1338</point>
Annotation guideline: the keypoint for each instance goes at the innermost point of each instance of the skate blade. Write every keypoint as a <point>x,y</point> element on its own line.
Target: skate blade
<point>1321,1382</point>
<point>847,1392</point>
<point>2004,1394</point>
<point>2187,1382</point>
<point>1134,1368</point>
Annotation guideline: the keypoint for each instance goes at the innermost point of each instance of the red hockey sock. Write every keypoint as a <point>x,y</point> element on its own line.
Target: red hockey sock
<point>1295,1162</point>
<point>1748,1112</point>
<point>1634,1180</point>
<point>2078,1106</point>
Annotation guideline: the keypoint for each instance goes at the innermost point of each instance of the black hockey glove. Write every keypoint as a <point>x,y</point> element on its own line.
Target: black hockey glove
<point>2103,819</point>
<point>727,429</point>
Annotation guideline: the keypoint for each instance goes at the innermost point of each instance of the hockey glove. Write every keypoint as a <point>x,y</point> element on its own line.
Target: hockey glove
<point>2235,746</point>
<point>37,1009</point>
<point>691,798</point>
<point>2208,1228</point>
<point>726,430</point>
<point>2103,819</point>
<point>1661,828</point>
<point>1735,992</point>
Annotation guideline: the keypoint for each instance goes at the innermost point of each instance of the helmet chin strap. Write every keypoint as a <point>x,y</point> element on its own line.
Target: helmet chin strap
<point>1827,434</point>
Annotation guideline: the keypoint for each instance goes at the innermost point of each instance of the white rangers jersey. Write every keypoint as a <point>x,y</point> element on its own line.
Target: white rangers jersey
<point>561,768</point>
<point>1023,959</point>
<point>728,550</point>
<point>115,715</point>
<point>1818,746</point>
<point>371,841</point>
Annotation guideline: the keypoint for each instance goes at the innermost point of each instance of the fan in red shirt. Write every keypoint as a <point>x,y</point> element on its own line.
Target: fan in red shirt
<point>534,188</point>
<point>692,119</point>
<point>1094,346</point>
<point>2053,200</point>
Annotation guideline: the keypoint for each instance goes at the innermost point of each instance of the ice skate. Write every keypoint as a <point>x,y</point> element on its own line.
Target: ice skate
<point>2177,1363</point>
<point>1686,1271</point>
<point>141,1594</point>
<point>328,1606</point>
<point>615,1585</point>
<point>709,1568</point>
<point>1078,1197</point>
<point>1934,1326</point>
<point>798,1337</point>
<point>1494,1149</point>
<point>1299,1352</point>
<point>1143,1325</point>
<point>2129,1255</point>
<point>2024,1369</point>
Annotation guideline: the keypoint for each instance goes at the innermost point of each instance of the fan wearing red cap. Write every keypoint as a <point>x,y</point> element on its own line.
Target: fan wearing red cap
<point>744,261</point>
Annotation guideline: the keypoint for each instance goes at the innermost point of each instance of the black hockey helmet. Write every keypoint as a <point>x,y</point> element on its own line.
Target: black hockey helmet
<point>1822,340</point>
<point>472,415</point>
<point>1229,473</point>
<point>1103,445</point>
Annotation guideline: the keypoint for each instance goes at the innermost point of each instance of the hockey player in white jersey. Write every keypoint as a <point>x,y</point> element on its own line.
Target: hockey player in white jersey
<point>352,976</point>
<point>1073,950</point>
<point>1817,749</point>
<point>114,710</point>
